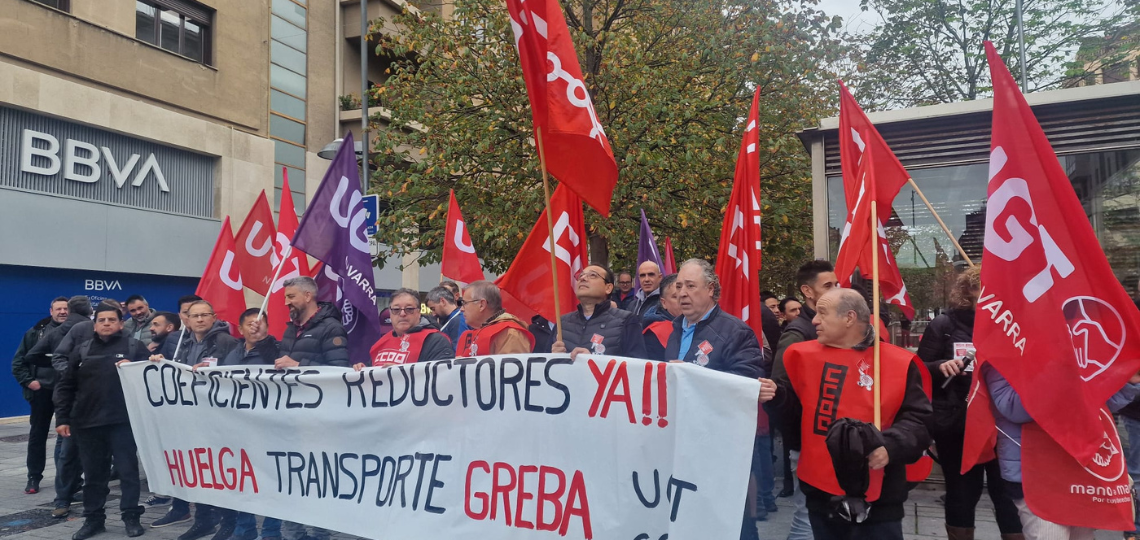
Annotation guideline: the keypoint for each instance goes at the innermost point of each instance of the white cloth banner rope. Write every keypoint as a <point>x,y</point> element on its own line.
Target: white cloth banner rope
<point>534,446</point>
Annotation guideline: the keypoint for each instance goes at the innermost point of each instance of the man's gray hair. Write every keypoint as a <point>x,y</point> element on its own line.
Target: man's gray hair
<point>709,273</point>
<point>441,294</point>
<point>850,300</point>
<point>485,290</point>
<point>304,283</point>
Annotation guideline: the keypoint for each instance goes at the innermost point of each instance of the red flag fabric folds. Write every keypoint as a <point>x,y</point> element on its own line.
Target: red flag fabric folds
<point>1052,317</point>
<point>295,261</point>
<point>221,283</point>
<point>738,260</point>
<point>577,151</point>
<point>670,263</point>
<point>255,255</point>
<point>528,280</point>
<point>867,161</point>
<point>459,261</point>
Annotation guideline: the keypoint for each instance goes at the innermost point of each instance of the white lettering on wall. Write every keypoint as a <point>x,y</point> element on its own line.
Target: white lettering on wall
<point>81,162</point>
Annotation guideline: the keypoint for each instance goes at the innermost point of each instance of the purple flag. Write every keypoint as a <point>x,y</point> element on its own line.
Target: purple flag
<point>646,250</point>
<point>333,231</point>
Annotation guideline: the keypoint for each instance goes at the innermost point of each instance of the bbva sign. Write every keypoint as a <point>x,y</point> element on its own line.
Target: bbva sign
<point>81,162</point>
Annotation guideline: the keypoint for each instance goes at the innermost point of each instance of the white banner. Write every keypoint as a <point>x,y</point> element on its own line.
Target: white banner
<point>492,447</point>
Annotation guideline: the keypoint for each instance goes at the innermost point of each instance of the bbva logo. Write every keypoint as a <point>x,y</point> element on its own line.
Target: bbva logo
<point>101,285</point>
<point>81,162</point>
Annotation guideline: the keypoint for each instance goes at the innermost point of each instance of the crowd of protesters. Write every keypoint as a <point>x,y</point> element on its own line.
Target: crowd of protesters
<point>66,366</point>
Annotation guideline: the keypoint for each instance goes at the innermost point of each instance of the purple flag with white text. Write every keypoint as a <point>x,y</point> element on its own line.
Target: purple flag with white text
<point>646,251</point>
<point>333,231</point>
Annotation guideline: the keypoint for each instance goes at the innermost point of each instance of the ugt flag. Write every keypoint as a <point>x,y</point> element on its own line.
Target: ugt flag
<point>871,175</point>
<point>1052,317</point>
<point>332,230</point>
<point>738,259</point>
<point>295,262</point>
<point>578,153</point>
<point>646,250</point>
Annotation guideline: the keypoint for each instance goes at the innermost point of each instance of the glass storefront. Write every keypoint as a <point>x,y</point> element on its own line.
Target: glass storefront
<point>1107,184</point>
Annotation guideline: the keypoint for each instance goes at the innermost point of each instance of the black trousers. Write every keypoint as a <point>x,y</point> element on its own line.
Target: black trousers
<point>825,529</point>
<point>99,447</point>
<point>964,490</point>
<point>42,411</point>
<point>68,471</point>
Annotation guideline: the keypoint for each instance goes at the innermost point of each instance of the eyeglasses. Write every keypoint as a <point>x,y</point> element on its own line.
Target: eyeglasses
<point>200,316</point>
<point>461,302</point>
<point>588,275</point>
<point>403,311</point>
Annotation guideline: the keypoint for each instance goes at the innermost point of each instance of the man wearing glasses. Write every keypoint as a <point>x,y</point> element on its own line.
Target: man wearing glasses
<point>596,327</point>
<point>624,291</point>
<point>493,330</point>
<point>649,274</point>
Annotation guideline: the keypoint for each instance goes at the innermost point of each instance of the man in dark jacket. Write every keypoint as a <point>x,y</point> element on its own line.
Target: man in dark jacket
<point>543,332</point>
<point>596,327</point>
<point>452,323</point>
<point>624,290</point>
<point>164,326</point>
<point>90,405</point>
<point>259,348</point>
<point>656,333</point>
<point>38,379</point>
<point>315,335</point>
<point>835,373</point>
<point>649,277</point>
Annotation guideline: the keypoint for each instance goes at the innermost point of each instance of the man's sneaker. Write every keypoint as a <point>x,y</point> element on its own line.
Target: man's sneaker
<point>90,528</point>
<point>171,518</point>
<point>60,512</point>
<point>225,530</point>
<point>157,500</point>
<point>198,530</point>
<point>33,486</point>
<point>134,528</point>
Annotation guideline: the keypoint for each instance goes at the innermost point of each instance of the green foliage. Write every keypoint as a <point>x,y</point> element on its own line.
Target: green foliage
<point>931,51</point>
<point>671,82</point>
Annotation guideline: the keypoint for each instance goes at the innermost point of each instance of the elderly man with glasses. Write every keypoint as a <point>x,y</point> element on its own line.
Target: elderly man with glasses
<point>596,327</point>
<point>493,330</point>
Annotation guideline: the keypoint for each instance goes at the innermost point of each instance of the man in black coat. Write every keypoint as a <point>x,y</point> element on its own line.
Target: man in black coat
<point>596,327</point>
<point>90,406</point>
<point>315,335</point>
<point>38,379</point>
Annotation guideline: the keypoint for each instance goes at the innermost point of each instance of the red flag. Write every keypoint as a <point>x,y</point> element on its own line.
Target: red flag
<point>577,151</point>
<point>670,263</point>
<point>738,260</point>
<point>981,430</point>
<point>866,160</point>
<point>295,261</point>
<point>528,279</point>
<point>1052,317</point>
<point>221,283</point>
<point>459,261</point>
<point>255,239</point>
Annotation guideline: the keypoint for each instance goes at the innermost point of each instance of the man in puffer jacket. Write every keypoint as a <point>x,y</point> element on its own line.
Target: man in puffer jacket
<point>596,327</point>
<point>315,335</point>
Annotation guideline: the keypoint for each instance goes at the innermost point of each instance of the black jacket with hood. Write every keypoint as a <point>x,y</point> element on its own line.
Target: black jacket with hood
<point>321,341</point>
<point>27,369</point>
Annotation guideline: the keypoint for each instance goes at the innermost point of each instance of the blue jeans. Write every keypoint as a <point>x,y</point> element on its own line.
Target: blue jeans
<point>68,471</point>
<point>248,522</point>
<point>765,474</point>
<point>801,524</point>
<point>1132,454</point>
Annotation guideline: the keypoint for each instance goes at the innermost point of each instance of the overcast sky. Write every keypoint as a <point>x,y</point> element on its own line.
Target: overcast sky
<point>854,19</point>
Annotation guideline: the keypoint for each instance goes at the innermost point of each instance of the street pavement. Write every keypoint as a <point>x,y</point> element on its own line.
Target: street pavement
<point>27,517</point>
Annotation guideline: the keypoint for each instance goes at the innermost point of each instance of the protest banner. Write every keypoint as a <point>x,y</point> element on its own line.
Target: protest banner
<point>529,446</point>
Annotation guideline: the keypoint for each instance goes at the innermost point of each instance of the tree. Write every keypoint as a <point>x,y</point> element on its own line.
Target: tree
<point>931,51</point>
<point>671,81</point>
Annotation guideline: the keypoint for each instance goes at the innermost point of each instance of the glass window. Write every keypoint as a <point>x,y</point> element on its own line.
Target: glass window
<point>286,104</point>
<point>287,81</point>
<point>284,128</point>
<point>290,12</point>
<point>170,24</point>
<point>296,178</point>
<point>144,22</point>
<point>289,154</point>
<point>62,5</point>
<point>287,33</point>
<point>286,56</point>
<point>192,40</point>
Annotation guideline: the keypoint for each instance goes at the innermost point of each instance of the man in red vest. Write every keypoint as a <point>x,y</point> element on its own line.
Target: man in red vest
<point>657,333</point>
<point>493,330</point>
<point>412,339</point>
<point>833,378</point>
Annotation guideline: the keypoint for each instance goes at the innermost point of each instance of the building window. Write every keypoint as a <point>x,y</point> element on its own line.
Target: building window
<point>179,26</point>
<point>288,81</point>
<point>62,5</point>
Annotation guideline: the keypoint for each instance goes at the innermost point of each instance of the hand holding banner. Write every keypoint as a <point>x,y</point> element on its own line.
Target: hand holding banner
<point>490,447</point>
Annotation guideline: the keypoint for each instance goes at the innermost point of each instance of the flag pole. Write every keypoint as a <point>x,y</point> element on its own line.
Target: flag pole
<point>550,232</point>
<point>877,384</point>
<point>945,229</point>
<point>265,301</point>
